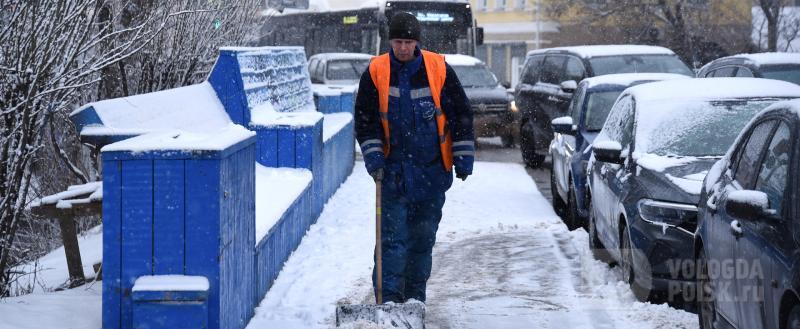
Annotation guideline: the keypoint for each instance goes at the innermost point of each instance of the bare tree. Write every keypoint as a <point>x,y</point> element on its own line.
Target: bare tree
<point>772,14</point>
<point>56,54</point>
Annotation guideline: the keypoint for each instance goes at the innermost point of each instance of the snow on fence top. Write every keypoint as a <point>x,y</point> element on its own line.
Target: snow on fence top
<point>183,143</point>
<point>608,50</point>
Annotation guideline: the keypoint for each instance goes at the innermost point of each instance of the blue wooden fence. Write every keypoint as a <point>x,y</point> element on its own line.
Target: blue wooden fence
<point>192,212</point>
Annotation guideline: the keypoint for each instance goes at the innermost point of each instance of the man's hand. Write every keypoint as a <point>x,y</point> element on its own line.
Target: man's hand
<point>463,177</point>
<point>377,174</point>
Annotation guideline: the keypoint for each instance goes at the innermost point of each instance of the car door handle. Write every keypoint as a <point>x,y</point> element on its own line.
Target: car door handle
<point>736,229</point>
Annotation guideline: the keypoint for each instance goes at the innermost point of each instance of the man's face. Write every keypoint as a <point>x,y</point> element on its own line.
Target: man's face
<point>403,49</point>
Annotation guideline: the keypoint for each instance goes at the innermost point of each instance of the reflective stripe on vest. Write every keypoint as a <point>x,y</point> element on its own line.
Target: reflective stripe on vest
<point>380,70</point>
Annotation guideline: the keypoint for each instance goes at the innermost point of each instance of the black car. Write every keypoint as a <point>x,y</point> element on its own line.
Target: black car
<point>550,76</point>
<point>748,238</point>
<point>778,66</point>
<point>649,161</point>
<point>493,113</point>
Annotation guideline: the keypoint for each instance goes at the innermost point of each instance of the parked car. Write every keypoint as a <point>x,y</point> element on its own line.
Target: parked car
<point>649,160</point>
<point>337,69</point>
<point>550,76</point>
<point>573,136</point>
<point>778,66</point>
<point>747,217</point>
<point>493,114</point>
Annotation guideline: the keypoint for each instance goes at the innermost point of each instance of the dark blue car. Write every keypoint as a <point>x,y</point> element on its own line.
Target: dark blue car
<point>748,241</point>
<point>574,134</point>
<point>649,160</point>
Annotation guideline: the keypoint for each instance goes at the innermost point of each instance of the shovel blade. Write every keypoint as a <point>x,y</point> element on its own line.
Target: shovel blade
<point>405,316</point>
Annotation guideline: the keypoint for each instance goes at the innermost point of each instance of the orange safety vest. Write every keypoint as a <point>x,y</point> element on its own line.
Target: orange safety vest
<point>379,71</point>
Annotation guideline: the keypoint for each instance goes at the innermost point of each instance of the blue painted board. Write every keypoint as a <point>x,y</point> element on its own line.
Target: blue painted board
<point>136,228</point>
<point>112,239</point>
<point>286,147</point>
<point>168,220</point>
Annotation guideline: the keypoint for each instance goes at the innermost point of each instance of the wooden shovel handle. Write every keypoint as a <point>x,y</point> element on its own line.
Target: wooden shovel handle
<point>378,249</point>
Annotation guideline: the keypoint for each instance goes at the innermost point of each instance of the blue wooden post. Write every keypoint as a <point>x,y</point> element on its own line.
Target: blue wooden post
<point>173,211</point>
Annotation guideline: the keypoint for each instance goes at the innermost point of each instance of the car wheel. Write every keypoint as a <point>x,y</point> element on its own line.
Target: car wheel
<point>598,249</point>
<point>558,204</point>
<point>528,148</point>
<point>575,220</point>
<point>626,265</point>
<point>707,311</point>
<point>793,320</point>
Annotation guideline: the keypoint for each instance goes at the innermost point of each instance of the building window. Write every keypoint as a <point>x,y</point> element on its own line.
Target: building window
<point>500,4</point>
<point>520,4</point>
<point>482,4</point>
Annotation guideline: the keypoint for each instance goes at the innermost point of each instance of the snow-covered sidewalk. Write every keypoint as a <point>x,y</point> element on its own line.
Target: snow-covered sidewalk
<point>503,259</point>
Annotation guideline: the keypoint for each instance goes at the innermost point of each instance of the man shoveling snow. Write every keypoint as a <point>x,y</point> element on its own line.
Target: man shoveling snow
<point>414,124</point>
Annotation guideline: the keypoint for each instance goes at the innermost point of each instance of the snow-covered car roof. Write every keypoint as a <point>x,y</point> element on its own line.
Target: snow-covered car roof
<point>713,89</point>
<point>627,79</point>
<point>766,58</point>
<point>461,60</point>
<point>606,50</point>
<point>339,56</point>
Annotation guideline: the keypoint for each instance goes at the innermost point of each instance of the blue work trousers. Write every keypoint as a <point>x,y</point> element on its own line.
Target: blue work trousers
<point>408,232</point>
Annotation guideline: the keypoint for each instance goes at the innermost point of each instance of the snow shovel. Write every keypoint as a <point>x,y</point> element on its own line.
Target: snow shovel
<point>405,316</point>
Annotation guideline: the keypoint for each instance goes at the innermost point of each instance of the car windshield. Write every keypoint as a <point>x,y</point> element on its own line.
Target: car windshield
<point>639,64</point>
<point>598,105</point>
<point>346,69</point>
<point>694,128</point>
<point>475,76</point>
<point>790,73</point>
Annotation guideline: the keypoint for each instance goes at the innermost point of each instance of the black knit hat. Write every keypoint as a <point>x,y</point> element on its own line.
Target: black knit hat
<point>404,26</point>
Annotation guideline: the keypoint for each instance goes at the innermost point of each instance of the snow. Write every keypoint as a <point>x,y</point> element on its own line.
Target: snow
<point>562,121</point>
<point>754,198</point>
<point>503,259</point>
<point>713,89</point>
<point>659,163</point>
<point>325,90</point>
<point>461,60</point>
<point>79,308</point>
<point>334,123</point>
<point>338,56</point>
<point>771,58</point>
<point>608,50</point>
<point>192,108</point>
<point>627,79</point>
<point>51,269</point>
<point>171,283</point>
<point>181,140</point>
<point>94,189</point>
<point>276,190</point>
<point>692,184</point>
<point>265,116</point>
<point>606,145</point>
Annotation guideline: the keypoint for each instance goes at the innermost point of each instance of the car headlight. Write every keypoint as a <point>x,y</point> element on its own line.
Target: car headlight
<point>667,212</point>
<point>513,106</point>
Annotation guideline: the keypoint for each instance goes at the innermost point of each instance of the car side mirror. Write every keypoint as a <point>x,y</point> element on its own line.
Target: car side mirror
<point>506,84</point>
<point>479,36</point>
<point>749,205</point>
<point>563,125</point>
<point>608,151</point>
<point>569,86</point>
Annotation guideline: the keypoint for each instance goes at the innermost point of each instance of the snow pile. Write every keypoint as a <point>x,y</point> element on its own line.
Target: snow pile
<point>277,76</point>
<point>191,108</point>
<point>334,123</point>
<point>94,190</point>
<point>276,190</point>
<point>264,116</point>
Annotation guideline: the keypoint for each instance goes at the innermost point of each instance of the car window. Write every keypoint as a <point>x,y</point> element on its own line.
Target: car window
<point>790,73</point>
<point>744,72</point>
<point>530,72</point>
<point>724,72</point>
<point>346,69</point>
<point>475,76</point>
<point>639,64</point>
<point>772,176</point>
<point>619,125</point>
<point>312,69</point>
<point>316,73</point>
<point>575,70</point>
<point>750,154</point>
<point>552,69</point>
<point>598,107</point>
<point>577,103</point>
